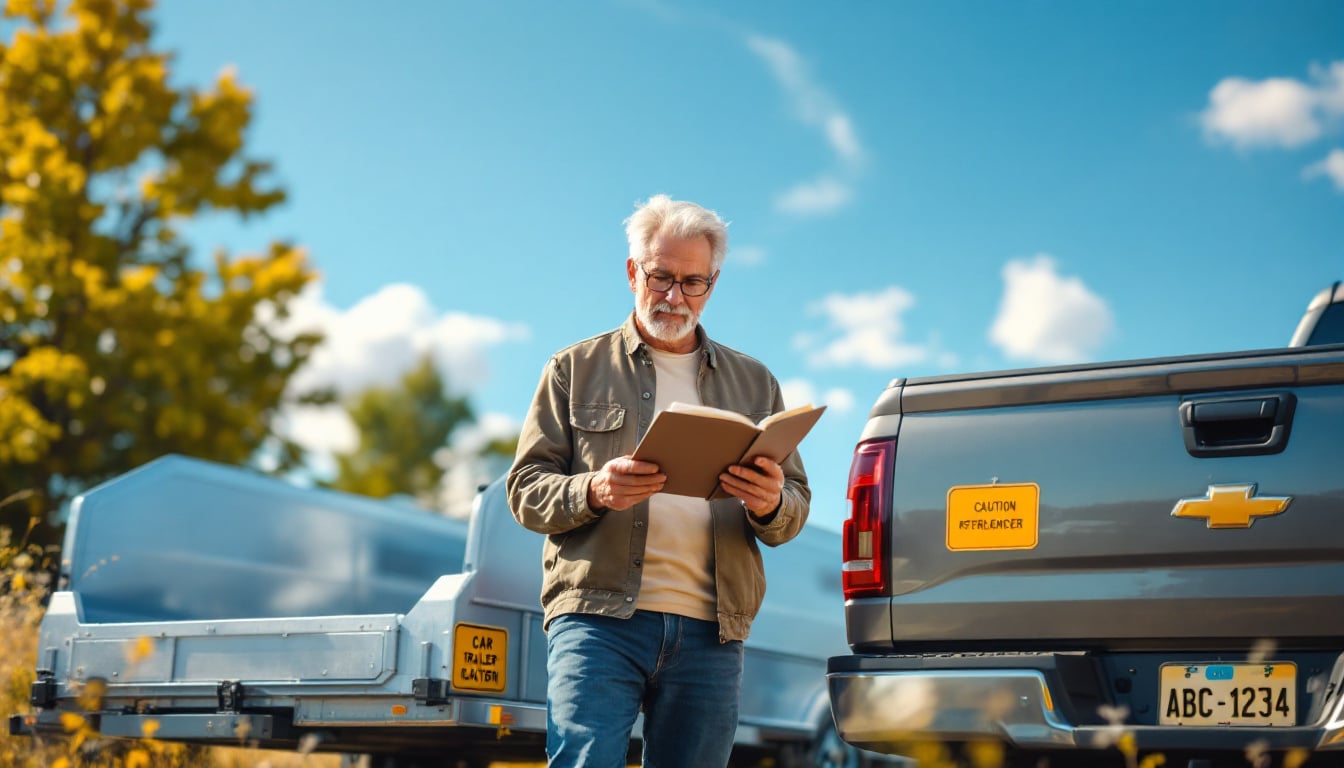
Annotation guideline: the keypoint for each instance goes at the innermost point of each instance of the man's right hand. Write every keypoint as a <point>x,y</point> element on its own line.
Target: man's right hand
<point>623,482</point>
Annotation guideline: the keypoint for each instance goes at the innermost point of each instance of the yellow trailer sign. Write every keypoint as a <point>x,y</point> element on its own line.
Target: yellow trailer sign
<point>480,658</point>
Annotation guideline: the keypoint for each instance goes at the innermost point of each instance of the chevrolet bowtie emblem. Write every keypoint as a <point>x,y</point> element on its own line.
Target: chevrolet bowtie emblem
<point>1231,506</point>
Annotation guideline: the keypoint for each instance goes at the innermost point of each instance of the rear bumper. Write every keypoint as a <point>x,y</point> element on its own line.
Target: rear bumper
<point>1038,702</point>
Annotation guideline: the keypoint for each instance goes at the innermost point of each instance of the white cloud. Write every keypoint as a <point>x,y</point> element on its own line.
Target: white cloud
<point>815,107</point>
<point>465,469</point>
<point>374,343</point>
<point>1275,111</point>
<point>1270,112</point>
<point>865,329</point>
<point>384,334</point>
<point>1045,317</point>
<point>814,197</point>
<point>748,255</point>
<point>840,132</point>
<point>809,100</point>
<point>487,427</point>
<point>1332,167</point>
<point>813,104</point>
<point>323,430</point>
<point>1330,91</point>
<point>801,392</point>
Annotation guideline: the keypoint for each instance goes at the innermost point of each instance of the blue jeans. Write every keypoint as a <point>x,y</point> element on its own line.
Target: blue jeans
<point>601,670</point>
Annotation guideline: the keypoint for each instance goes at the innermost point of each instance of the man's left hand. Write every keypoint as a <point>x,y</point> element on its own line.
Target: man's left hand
<point>757,484</point>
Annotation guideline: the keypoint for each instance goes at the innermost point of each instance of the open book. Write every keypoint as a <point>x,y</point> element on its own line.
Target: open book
<point>694,444</point>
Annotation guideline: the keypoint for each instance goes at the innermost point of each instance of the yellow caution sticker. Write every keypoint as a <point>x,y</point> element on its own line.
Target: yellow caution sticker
<point>997,516</point>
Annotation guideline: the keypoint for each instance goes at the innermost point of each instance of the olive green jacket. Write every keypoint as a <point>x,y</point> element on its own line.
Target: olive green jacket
<point>594,402</point>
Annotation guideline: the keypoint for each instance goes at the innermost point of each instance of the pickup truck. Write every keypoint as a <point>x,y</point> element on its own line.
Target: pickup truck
<point>1102,563</point>
<point>211,604</point>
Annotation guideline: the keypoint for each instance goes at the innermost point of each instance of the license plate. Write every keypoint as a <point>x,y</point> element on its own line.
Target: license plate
<point>1229,694</point>
<point>480,658</point>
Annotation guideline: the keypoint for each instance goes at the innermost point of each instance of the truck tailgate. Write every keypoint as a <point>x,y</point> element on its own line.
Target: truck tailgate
<point>1142,522</point>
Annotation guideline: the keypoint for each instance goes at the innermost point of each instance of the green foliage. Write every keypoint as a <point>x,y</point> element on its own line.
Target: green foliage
<point>400,430</point>
<point>114,347</point>
<point>505,448</point>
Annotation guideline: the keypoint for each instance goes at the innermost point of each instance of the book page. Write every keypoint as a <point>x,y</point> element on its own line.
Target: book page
<point>782,415</point>
<point>711,412</point>
<point>785,430</point>
<point>693,444</point>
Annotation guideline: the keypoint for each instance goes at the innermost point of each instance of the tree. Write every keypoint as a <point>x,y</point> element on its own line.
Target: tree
<point>115,347</point>
<point>401,428</point>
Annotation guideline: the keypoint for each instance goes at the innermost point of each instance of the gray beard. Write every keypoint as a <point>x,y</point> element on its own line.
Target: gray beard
<point>665,330</point>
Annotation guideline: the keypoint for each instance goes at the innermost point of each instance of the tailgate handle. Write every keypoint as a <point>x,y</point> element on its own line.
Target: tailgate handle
<point>1237,425</point>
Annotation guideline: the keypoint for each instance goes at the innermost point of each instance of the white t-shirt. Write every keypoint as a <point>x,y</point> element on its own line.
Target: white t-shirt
<point>679,555</point>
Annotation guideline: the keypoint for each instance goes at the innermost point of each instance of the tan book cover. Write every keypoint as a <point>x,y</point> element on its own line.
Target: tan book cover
<point>694,444</point>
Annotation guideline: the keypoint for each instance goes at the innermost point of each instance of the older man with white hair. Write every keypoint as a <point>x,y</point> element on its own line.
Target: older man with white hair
<point>648,596</point>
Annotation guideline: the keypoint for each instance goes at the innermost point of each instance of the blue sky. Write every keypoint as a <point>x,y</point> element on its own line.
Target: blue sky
<point>914,188</point>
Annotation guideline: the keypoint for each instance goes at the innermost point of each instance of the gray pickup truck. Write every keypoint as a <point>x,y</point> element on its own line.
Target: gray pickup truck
<point>214,605</point>
<point>1096,564</point>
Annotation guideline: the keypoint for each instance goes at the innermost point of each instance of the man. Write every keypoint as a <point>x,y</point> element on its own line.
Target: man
<point>648,596</point>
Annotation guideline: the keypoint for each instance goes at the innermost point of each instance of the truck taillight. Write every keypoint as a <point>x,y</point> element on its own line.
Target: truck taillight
<point>864,573</point>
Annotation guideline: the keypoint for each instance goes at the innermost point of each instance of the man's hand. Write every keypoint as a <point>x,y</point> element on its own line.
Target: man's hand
<point>623,482</point>
<point>757,485</point>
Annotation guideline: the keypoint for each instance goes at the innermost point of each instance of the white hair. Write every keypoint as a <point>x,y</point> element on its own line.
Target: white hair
<point>661,214</point>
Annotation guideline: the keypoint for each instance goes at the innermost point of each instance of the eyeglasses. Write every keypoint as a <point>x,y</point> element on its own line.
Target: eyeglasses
<point>690,286</point>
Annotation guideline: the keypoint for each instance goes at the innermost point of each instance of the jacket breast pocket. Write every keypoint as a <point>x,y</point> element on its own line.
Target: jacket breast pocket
<point>597,433</point>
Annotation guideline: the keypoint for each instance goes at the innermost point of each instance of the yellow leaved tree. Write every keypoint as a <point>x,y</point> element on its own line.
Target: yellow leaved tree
<point>116,346</point>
